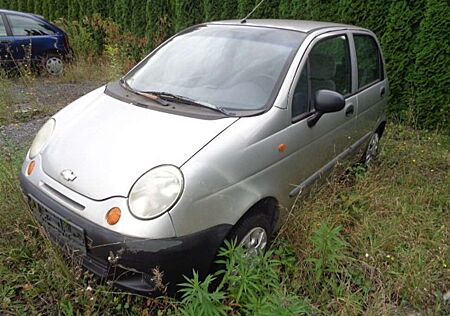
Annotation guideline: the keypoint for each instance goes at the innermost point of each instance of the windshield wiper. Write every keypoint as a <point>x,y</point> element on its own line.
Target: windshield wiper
<point>185,100</point>
<point>148,95</point>
<point>162,97</point>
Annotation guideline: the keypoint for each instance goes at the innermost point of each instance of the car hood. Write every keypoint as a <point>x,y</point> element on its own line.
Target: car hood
<point>108,144</point>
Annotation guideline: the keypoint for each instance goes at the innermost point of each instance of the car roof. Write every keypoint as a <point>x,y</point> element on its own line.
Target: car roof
<point>22,13</point>
<point>296,25</point>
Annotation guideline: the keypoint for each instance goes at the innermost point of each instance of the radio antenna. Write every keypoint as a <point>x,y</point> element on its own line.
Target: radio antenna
<point>244,20</point>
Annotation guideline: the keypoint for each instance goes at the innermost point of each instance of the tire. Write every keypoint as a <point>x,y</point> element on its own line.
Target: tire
<point>252,232</point>
<point>372,149</point>
<point>53,64</point>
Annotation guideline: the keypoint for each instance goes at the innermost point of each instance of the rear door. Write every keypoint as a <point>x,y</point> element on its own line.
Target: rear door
<point>371,83</point>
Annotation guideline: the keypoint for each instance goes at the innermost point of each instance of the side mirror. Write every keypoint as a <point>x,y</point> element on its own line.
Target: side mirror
<point>326,101</point>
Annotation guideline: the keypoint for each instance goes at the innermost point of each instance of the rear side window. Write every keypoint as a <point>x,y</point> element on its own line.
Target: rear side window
<point>23,26</point>
<point>2,27</point>
<point>370,68</point>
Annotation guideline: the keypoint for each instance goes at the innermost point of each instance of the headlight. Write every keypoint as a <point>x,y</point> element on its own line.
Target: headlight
<point>42,137</point>
<point>155,192</point>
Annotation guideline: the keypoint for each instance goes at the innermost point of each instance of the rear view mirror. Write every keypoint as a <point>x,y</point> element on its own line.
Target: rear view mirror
<point>326,101</point>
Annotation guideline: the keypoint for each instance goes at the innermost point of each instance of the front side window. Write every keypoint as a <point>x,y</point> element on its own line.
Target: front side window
<point>2,27</point>
<point>327,67</point>
<point>234,67</point>
<point>369,60</point>
<point>23,26</point>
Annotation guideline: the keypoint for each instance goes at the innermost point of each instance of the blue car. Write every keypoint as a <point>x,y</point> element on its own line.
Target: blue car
<point>25,37</point>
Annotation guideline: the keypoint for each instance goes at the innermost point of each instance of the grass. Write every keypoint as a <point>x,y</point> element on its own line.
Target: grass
<point>372,242</point>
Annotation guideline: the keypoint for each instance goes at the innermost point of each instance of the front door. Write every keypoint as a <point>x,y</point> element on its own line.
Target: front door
<point>327,66</point>
<point>22,30</point>
<point>6,41</point>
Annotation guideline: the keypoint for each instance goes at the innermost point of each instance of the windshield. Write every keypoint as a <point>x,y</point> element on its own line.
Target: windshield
<point>233,67</point>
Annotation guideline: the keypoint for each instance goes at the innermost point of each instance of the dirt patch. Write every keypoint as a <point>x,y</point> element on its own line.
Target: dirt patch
<point>33,104</point>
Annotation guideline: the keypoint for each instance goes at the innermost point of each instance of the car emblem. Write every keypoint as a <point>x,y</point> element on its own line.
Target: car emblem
<point>68,175</point>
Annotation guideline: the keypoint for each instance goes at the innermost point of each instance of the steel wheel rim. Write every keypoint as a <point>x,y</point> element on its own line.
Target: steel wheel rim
<point>372,149</point>
<point>255,241</point>
<point>54,65</point>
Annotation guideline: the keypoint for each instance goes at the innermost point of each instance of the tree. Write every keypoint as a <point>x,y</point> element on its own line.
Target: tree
<point>72,10</point>
<point>398,43</point>
<point>122,14</point>
<point>187,13</point>
<point>212,9</point>
<point>139,19</point>
<point>245,7</point>
<point>101,7</point>
<point>229,9</point>
<point>269,9</point>
<point>159,22</point>
<point>431,75</point>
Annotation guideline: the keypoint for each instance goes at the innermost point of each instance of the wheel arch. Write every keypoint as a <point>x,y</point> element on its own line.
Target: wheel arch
<point>268,206</point>
<point>52,51</point>
<point>380,128</point>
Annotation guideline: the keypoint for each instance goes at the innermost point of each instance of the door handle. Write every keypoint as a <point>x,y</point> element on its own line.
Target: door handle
<point>5,42</point>
<point>382,91</point>
<point>349,110</point>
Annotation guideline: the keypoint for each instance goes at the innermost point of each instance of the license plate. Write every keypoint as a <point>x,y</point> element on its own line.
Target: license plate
<point>66,234</point>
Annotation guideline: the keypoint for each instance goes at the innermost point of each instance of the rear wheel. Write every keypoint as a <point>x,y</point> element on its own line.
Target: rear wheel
<point>372,149</point>
<point>53,64</point>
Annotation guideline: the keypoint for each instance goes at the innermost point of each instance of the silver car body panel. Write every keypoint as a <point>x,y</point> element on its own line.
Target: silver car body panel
<point>228,164</point>
<point>95,211</point>
<point>112,142</point>
<point>304,26</point>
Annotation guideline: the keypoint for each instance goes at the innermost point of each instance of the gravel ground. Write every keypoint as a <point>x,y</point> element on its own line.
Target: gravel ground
<point>43,98</point>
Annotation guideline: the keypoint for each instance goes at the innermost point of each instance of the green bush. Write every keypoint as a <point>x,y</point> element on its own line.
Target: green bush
<point>187,13</point>
<point>229,10</point>
<point>139,19</point>
<point>249,285</point>
<point>290,9</point>
<point>244,7</point>
<point>212,9</point>
<point>159,21</point>
<point>413,33</point>
<point>398,43</point>
<point>73,10</point>
<point>431,73</point>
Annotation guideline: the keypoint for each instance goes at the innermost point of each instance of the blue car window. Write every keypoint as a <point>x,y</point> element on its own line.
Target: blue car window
<point>23,26</point>
<point>2,28</point>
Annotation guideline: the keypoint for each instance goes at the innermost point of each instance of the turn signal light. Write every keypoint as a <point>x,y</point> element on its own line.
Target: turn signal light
<point>282,147</point>
<point>31,166</point>
<point>113,216</point>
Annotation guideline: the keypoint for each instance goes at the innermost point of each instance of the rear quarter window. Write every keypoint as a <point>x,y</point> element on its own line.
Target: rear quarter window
<point>370,67</point>
<point>2,27</point>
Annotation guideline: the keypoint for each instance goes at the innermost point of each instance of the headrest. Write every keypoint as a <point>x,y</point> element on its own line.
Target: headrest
<point>323,66</point>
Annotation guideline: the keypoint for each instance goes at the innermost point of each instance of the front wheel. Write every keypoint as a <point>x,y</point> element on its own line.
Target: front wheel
<point>252,233</point>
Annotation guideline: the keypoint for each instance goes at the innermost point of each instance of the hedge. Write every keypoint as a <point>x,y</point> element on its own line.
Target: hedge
<point>414,35</point>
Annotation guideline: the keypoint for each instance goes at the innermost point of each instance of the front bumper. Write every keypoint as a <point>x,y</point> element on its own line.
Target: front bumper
<point>129,262</point>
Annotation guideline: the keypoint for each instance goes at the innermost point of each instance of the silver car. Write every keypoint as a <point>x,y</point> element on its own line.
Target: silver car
<point>210,137</point>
